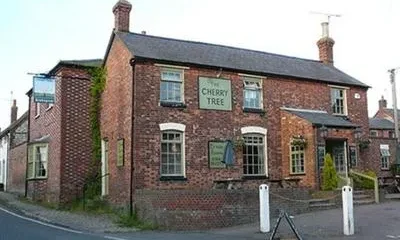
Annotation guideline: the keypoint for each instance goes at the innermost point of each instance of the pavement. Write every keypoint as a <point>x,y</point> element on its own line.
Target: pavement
<point>377,221</point>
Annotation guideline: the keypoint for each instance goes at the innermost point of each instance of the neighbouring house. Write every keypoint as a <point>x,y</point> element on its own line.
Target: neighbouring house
<point>381,148</point>
<point>13,141</point>
<point>59,141</point>
<point>182,118</point>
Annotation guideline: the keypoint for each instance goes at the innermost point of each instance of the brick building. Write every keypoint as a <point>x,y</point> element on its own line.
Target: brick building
<point>182,117</point>
<point>59,138</point>
<point>383,143</point>
<point>13,141</point>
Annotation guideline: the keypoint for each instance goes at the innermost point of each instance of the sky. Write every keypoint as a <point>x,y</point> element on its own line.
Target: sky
<point>36,34</point>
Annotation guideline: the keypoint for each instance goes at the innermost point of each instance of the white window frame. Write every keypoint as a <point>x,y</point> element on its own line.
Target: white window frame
<point>344,100</point>
<point>174,127</point>
<point>301,150</point>
<point>105,167</point>
<point>373,131</point>
<point>37,109</point>
<point>252,86</point>
<point>262,131</point>
<point>32,159</point>
<point>385,156</point>
<point>181,81</point>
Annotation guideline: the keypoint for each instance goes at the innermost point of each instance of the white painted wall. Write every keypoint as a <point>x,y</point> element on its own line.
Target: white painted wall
<point>4,160</point>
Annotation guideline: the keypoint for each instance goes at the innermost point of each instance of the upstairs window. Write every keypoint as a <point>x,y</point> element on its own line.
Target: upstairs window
<point>252,93</point>
<point>373,133</point>
<point>171,86</point>
<point>338,98</point>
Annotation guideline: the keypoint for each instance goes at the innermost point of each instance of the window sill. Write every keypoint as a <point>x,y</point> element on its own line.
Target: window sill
<point>173,104</point>
<point>254,110</point>
<point>385,169</point>
<point>37,178</point>
<point>254,177</point>
<point>297,174</point>
<point>173,178</point>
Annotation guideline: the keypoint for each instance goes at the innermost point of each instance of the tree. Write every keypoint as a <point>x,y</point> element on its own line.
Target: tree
<point>329,176</point>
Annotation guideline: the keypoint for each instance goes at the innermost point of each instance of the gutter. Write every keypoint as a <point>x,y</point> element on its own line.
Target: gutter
<point>132,185</point>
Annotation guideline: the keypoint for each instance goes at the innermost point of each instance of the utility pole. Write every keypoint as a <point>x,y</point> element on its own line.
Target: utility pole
<point>394,97</point>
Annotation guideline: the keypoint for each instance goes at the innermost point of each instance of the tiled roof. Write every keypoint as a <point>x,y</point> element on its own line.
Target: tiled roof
<point>321,118</point>
<point>380,123</point>
<point>212,55</point>
<point>14,124</point>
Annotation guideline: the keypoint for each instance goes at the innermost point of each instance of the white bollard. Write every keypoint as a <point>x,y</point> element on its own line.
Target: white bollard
<point>348,216</point>
<point>264,208</point>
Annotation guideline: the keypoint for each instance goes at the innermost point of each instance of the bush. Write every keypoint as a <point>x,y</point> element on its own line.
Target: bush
<point>329,176</point>
<point>364,183</point>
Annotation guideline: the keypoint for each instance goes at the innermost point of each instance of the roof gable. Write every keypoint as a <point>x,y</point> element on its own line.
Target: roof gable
<point>205,54</point>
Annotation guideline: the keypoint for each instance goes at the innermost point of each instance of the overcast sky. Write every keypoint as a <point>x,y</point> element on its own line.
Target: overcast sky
<point>35,35</point>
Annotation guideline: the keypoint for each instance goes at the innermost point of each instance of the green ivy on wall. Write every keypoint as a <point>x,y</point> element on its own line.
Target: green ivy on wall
<point>93,181</point>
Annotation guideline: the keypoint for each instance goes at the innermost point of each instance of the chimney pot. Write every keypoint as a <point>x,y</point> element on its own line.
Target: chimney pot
<point>14,111</point>
<point>325,45</point>
<point>382,103</point>
<point>325,29</point>
<point>121,12</point>
<point>144,32</point>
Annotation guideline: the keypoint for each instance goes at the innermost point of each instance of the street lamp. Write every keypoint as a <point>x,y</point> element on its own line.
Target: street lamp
<point>323,131</point>
<point>357,133</point>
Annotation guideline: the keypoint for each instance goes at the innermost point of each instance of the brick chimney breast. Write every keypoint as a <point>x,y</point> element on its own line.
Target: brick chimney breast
<point>14,111</point>
<point>325,45</point>
<point>382,103</point>
<point>121,12</point>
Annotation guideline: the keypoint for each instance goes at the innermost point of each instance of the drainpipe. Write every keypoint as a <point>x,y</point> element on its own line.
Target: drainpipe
<point>132,184</point>
<point>27,146</point>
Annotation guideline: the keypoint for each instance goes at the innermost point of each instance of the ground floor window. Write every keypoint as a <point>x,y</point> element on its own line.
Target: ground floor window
<point>171,153</point>
<point>385,156</point>
<point>37,160</point>
<point>297,154</point>
<point>253,154</point>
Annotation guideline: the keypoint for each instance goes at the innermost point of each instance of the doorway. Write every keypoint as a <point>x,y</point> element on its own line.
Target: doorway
<point>337,149</point>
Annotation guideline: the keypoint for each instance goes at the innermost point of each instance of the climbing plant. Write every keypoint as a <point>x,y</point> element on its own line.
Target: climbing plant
<point>92,184</point>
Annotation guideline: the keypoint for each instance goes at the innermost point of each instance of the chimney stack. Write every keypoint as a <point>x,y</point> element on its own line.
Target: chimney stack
<point>14,111</point>
<point>121,12</point>
<point>382,103</point>
<point>325,45</point>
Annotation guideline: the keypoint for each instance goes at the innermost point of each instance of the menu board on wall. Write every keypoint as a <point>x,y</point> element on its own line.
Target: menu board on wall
<point>216,150</point>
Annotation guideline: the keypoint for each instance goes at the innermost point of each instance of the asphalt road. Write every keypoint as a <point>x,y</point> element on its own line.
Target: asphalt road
<point>15,227</point>
<point>372,222</point>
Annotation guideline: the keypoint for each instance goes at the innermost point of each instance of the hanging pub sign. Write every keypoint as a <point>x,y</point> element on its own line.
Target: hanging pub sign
<point>44,89</point>
<point>215,93</point>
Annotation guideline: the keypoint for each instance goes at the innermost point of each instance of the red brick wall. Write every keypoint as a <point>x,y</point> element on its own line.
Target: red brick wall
<point>17,169</point>
<point>293,126</point>
<point>207,209</point>
<point>67,123</point>
<point>205,125</point>
<point>201,125</point>
<point>48,123</point>
<point>76,133</point>
<point>116,119</point>
<point>372,155</point>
